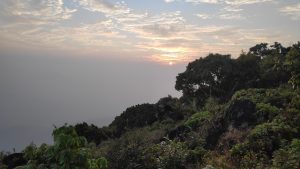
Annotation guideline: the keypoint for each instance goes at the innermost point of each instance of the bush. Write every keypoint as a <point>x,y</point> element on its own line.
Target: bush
<point>68,152</point>
<point>259,146</point>
<point>170,154</point>
<point>279,97</point>
<point>266,112</point>
<point>198,118</point>
<point>288,157</point>
<point>129,151</point>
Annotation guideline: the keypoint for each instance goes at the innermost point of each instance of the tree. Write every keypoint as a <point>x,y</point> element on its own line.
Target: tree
<point>209,76</point>
<point>135,116</point>
<point>69,151</point>
<point>247,71</point>
<point>293,64</point>
<point>260,50</point>
<point>273,71</point>
<point>92,133</point>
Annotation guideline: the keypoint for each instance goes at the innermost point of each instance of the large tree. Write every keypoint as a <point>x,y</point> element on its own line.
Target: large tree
<point>273,71</point>
<point>293,65</point>
<point>205,77</point>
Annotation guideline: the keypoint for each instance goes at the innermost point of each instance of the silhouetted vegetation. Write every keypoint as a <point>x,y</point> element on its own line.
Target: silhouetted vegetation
<point>234,113</point>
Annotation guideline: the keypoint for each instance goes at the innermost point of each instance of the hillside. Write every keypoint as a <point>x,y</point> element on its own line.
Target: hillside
<point>233,114</point>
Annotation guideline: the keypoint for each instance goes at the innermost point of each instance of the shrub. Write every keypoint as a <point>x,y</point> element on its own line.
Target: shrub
<point>259,146</point>
<point>170,154</point>
<point>68,152</point>
<point>129,151</point>
<point>198,118</point>
<point>266,112</point>
<point>288,157</point>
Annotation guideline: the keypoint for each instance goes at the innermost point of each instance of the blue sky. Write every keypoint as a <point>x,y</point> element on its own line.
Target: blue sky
<point>164,31</point>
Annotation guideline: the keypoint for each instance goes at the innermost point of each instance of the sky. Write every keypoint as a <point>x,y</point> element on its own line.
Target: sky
<point>69,61</point>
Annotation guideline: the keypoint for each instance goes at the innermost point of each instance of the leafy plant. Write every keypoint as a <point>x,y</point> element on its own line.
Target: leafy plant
<point>69,151</point>
<point>288,157</point>
<point>196,119</point>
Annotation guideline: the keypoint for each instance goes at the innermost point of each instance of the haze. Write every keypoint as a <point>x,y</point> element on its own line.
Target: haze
<point>69,61</point>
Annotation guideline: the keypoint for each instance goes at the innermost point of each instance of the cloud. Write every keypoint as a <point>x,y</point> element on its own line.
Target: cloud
<point>168,37</point>
<point>168,1</point>
<point>224,2</point>
<point>118,12</point>
<point>97,5</point>
<point>245,2</point>
<point>164,25</point>
<point>292,10</point>
<point>163,36</point>
<point>231,16</point>
<point>195,1</point>
<point>203,15</point>
<point>226,13</point>
<point>34,11</point>
<point>86,38</point>
<point>230,10</point>
<point>231,13</point>
<point>203,1</point>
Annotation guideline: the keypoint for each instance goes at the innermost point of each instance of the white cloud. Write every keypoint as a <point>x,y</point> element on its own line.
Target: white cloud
<point>203,1</point>
<point>202,15</point>
<point>164,36</point>
<point>232,9</point>
<point>168,1</point>
<point>227,13</point>
<point>292,10</point>
<point>97,5</point>
<point>231,13</point>
<point>34,11</point>
<point>231,16</point>
<point>118,12</point>
<point>245,2</point>
<point>227,2</point>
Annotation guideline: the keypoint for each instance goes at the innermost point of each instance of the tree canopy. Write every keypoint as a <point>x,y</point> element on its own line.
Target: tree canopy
<point>220,76</point>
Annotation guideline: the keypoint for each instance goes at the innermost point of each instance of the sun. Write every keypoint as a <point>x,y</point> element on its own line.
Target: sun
<point>171,63</point>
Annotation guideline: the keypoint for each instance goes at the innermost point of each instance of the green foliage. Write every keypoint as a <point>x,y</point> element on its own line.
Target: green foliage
<point>170,154</point>
<point>209,76</point>
<point>212,105</point>
<point>260,50</point>
<point>196,155</point>
<point>263,140</point>
<point>135,116</point>
<point>278,97</point>
<point>146,114</point>
<point>92,133</point>
<point>220,76</point>
<point>247,71</point>
<point>100,163</point>
<point>129,151</point>
<point>295,102</point>
<point>196,119</point>
<point>288,157</point>
<point>266,112</point>
<point>293,65</point>
<point>68,152</point>
<point>255,95</point>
